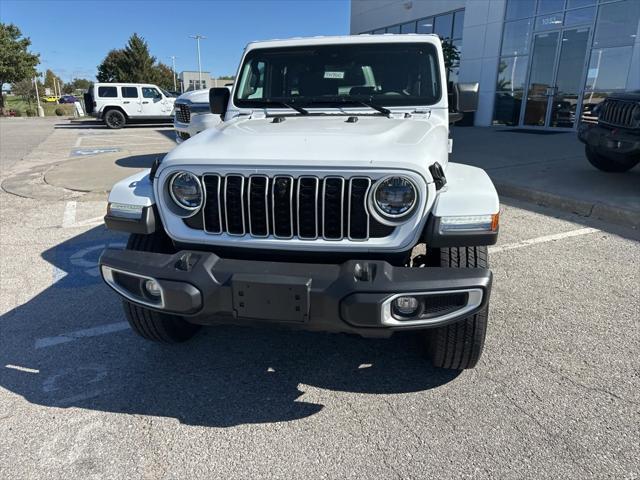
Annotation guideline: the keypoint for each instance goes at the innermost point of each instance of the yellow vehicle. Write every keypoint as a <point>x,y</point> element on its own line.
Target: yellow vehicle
<point>50,99</point>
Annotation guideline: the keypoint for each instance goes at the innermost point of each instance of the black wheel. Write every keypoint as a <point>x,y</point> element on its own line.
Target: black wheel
<point>149,324</point>
<point>458,345</point>
<point>114,119</point>
<point>612,162</point>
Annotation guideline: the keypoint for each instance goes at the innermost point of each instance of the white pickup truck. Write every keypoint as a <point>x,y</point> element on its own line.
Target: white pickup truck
<point>325,201</point>
<point>193,114</point>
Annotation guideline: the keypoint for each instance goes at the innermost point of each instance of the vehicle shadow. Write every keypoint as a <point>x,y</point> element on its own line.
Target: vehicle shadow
<point>98,125</point>
<point>139,161</point>
<point>70,347</point>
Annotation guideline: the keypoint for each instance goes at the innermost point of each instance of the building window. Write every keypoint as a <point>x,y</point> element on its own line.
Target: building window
<point>520,9</point>
<point>425,25</point>
<point>408,27</point>
<point>617,24</point>
<point>609,68</point>
<point>443,26</point>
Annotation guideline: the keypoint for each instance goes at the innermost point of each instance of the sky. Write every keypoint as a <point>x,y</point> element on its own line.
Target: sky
<point>73,37</point>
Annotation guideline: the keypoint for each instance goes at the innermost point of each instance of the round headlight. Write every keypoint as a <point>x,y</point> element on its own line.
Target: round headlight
<point>186,191</point>
<point>395,197</point>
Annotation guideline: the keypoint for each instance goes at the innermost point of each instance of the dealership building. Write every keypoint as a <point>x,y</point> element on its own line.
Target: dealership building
<point>537,62</point>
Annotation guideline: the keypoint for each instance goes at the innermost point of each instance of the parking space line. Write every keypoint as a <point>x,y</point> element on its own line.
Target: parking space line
<point>85,333</point>
<point>69,215</point>
<point>543,239</point>
<point>22,369</point>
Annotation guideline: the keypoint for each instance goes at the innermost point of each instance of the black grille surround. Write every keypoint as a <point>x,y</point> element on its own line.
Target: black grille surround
<point>620,113</point>
<point>183,113</point>
<point>305,207</point>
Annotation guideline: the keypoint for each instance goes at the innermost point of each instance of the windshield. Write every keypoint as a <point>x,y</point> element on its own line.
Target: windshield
<point>384,74</point>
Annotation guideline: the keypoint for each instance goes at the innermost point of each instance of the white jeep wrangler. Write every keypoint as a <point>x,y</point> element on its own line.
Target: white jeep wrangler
<point>324,201</point>
<point>193,115</point>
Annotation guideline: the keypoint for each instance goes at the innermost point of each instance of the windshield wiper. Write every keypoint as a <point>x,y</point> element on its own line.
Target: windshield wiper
<point>367,102</point>
<point>370,104</point>
<point>290,105</point>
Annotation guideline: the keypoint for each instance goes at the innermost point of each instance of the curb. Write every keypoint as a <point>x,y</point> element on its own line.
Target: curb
<point>601,211</point>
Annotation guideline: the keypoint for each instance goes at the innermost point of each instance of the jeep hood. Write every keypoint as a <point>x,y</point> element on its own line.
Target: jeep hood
<point>319,141</point>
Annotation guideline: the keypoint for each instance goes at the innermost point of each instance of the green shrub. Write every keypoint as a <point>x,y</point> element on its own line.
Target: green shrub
<point>17,113</point>
<point>60,111</point>
<point>30,112</point>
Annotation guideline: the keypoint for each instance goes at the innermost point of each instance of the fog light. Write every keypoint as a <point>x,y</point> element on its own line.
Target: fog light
<point>153,288</point>
<point>406,307</point>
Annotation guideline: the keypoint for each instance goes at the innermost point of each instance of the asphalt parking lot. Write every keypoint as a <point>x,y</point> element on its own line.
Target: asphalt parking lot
<point>556,394</point>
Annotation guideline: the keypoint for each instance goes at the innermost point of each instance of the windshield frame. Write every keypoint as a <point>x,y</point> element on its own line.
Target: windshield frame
<point>352,100</point>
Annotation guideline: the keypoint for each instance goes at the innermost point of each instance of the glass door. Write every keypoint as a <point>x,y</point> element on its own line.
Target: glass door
<point>555,79</point>
<point>541,79</point>
<point>569,78</point>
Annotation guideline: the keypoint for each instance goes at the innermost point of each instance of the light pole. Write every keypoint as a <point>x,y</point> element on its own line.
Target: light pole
<point>40,109</point>
<point>173,65</point>
<point>199,37</point>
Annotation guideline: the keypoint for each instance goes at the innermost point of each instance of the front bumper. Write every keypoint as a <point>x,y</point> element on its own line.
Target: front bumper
<point>352,297</point>
<point>613,140</point>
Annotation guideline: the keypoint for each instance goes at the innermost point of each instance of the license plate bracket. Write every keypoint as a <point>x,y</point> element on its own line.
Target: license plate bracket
<point>271,297</point>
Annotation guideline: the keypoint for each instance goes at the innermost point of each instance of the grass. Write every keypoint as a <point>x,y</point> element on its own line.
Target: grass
<point>14,102</point>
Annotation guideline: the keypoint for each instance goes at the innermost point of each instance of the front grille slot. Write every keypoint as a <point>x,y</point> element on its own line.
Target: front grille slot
<point>282,200</point>
<point>183,113</point>
<point>358,215</point>
<point>619,113</point>
<point>307,207</point>
<point>332,208</point>
<point>259,206</point>
<point>212,211</point>
<point>234,204</point>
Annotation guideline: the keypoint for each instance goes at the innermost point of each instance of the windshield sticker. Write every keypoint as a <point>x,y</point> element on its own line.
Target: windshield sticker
<point>339,75</point>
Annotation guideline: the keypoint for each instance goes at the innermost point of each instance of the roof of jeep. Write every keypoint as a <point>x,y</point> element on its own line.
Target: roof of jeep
<point>346,39</point>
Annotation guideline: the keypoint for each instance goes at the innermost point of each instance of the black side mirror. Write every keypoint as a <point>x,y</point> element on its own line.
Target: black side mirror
<point>465,97</point>
<point>218,100</point>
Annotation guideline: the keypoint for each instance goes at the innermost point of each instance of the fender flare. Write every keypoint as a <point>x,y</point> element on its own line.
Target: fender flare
<point>469,191</point>
<point>137,191</point>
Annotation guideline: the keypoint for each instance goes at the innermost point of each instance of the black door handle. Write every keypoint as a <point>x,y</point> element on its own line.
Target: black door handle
<point>145,102</point>
<point>126,102</point>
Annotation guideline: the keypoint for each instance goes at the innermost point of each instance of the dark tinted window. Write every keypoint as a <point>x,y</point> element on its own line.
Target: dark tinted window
<point>130,92</point>
<point>388,73</point>
<point>107,92</point>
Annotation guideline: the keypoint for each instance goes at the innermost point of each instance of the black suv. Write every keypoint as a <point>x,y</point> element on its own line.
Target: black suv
<point>611,133</point>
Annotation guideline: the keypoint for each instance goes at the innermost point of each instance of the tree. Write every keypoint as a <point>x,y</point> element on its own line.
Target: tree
<point>451,56</point>
<point>16,62</point>
<point>76,84</point>
<point>112,67</point>
<point>24,88</point>
<point>163,76</point>
<point>138,62</point>
<point>226,77</point>
<point>135,64</point>
<point>51,80</point>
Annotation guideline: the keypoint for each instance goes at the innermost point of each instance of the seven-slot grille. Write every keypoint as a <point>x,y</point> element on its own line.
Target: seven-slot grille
<point>620,113</point>
<point>306,207</point>
<point>183,113</point>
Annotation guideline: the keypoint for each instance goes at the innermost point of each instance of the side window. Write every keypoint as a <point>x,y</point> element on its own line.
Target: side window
<point>149,92</point>
<point>129,92</point>
<point>253,82</point>
<point>107,92</point>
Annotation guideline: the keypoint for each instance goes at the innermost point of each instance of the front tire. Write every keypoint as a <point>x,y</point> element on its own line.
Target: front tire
<point>459,345</point>
<point>115,119</point>
<point>149,324</point>
<point>612,163</point>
